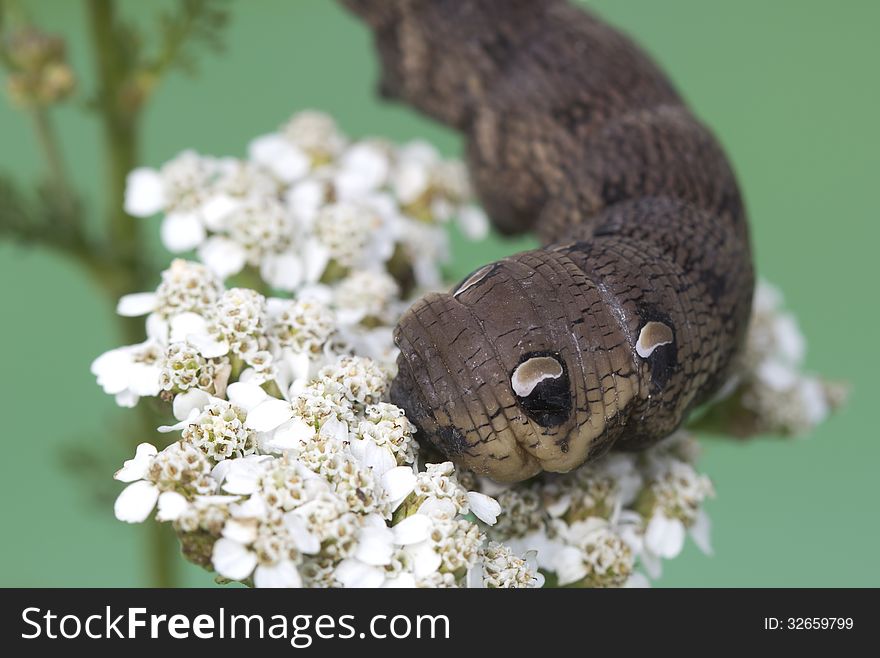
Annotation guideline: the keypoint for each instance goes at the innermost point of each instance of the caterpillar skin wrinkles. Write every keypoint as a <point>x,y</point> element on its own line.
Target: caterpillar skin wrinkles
<point>630,315</point>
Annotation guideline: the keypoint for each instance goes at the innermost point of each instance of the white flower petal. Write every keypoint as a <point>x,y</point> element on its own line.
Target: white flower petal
<point>354,573</point>
<point>283,159</point>
<point>282,271</point>
<point>252,508</point>
<point>143,379</point>
<point>268,415</point>
<point>224,257</point>
<point>294,370</point>
<point>144,192</point>
<point>425,560</point>
<point>410,181</point>
<point>379,458</point>
<point>664,536</point>
<point>813,399</point>
<point>192,400</point>
<point>216,210</point>
<point>404,580</point>
<point>637,581</point>
<point>363,168</point>
<point>335,429</point>
<point>291,435</point>
<point>559,506</point>
<point>112,369</point>
<point>652,564</point>
<point>136,304</point>
<point>171,506</point>
<point>484,508</point>
<point>375,546</point>
<point>412,530</point>
<point>284,574</point>
<point>127,399</point>
<point>136,502</point>
<point>184,324</point>
<point>232,560</point>
<point>136,468</point>
<point>569,565</point>
<point>438,507</point>
<point>304,539</point>
<point>246,396</point>
<point>242,531</point>
<point>304,199</point>
<point>208,347</point>
<point>157,328</point>
<point>181,231</point>
<point>701,531</point>
<point>398,483</point>
<point>241,476</point>
<point>190,418</point>
<point>473,222</point>
<point>315,258</point>
<point>475,576</point>
<point>777,376</point>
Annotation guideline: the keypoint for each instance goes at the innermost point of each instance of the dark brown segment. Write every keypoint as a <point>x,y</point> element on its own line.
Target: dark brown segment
<point>573,133</point>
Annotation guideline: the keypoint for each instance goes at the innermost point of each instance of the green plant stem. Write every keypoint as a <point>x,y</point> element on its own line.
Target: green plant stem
<point>120,124</point>
<point>49,144</point>
<point>120,127</point>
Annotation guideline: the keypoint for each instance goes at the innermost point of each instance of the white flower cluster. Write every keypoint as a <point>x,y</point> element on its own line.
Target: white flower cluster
<point>311,204</point>
<point>289,466</point>
<point>770,392</point>
<point>595,527</point>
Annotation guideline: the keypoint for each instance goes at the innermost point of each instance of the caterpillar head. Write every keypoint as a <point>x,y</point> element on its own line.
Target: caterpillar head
<point>494,380</point>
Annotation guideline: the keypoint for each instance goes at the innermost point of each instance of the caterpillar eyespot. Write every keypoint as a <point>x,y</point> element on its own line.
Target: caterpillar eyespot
<point>531,372</point>
<point>652,336</point>
<point>630,315</point>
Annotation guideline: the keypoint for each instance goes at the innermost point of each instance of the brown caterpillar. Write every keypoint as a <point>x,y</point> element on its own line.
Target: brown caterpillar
<point>629,316</point>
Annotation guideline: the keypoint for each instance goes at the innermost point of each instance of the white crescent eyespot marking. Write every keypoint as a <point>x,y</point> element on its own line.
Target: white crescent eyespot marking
<point>652,336</point>
<point>473,279</point>
<point>532,372</point>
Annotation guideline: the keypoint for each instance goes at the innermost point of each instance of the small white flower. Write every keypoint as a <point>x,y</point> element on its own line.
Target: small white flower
<point>137,467</point>
<point>375,545</point>
<point>136,304</point>
<point>398,483</point>
<point>136,502</point>
<point>283,159</point>
<point>129,372</point>
<point>473,222</point>
<point>284,574</point>
<point>171,506</point>
<point>144,192</point>
<point>224,256</point>
<point>290,435</point>
<point>182,231</point>
<point>242,476</point>
<point>232,559</point>
<point>664,537</point>
<point>411,530</point>
<point>700,532</point>
<point>484,508</point>
<point>353,573</point>
<point>284,271</point>
<point>363,169</point>
<point>269,414</point>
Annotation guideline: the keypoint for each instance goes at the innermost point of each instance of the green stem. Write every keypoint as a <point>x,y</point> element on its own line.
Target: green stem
<point>49,144</point>
<point>120,127</point>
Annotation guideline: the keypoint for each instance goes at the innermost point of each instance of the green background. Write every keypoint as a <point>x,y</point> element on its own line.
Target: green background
<point>791,89</point>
